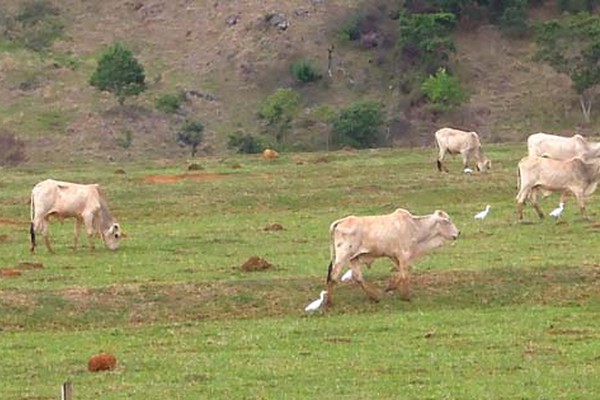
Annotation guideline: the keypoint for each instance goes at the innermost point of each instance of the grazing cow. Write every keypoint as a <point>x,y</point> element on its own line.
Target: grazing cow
<point>541,175</point>
<point>85,203</point>
<point>561,148</point>
<point>399,236</point>
<point>467,144</point>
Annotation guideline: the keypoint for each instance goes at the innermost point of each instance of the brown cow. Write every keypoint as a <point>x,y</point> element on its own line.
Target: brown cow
<point>561,148</point>
<point>85,203</point>
<point>467,144</point>
<point>541,175</point>
<point>270,154</point>
<point>399,236</point>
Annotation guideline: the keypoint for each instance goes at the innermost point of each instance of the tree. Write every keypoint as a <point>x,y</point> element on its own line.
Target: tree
<point>119,72</point>
<point>278,110</point>
<point>443,90</point>
<point>572,47</point>
<point>425,38</point>
<point>358,125</point>
<point>191,134</point>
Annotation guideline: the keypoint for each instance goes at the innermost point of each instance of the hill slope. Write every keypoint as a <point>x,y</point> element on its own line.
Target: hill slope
<point>231,59</point>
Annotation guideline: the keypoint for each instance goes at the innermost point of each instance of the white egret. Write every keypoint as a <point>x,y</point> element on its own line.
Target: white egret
<point>347,276</point>
<point>557,212</point>
<point>467,171</point>
<point>481,215</point>
<point>317,303</point>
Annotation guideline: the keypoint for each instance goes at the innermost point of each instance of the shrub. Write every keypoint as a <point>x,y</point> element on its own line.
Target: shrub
<point>191,134</point>
<point>36,25</point>
<point>576,6</point>
<point>12,149</point>
<point>303,71</point>
<point>278,110</point>
<point>443,90</point>
<point>513,21</point>
<point>359,125</point>
<point>245,143</point>
<point>119,72</point>
<point>170,103</point>
<point>35,11</point>
<point>350,30</point>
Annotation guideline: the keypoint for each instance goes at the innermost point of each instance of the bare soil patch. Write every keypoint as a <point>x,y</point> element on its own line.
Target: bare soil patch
<point>177,178</point>
<point>256,263</point>
<point>11,222</point>
<point>273,227</point>
<point>29,265</point>
<point>3,238</point>
<point>9,272</point>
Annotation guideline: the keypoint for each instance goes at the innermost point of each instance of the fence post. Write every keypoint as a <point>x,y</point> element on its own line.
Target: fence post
<point>66,392</point>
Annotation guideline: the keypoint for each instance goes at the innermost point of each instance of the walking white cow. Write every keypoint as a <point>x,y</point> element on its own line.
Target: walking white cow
<point>85,203</point>
<point>467,144</point>
<point>541,175</point>
<point>399,236</point>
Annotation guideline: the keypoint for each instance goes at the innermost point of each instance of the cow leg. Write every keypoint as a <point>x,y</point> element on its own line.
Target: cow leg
<point>400,277</point>
<point>440,161</point>
<point>88,220</point>
<point>78,223</point>
<point>371,291</point>
<point>581,203</point>
<point>46,234</point>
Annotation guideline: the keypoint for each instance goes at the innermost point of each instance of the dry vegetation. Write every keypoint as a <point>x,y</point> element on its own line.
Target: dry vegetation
<point>231,67</point>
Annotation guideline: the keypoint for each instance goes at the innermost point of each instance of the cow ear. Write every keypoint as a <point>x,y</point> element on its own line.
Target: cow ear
<point>114,229</point>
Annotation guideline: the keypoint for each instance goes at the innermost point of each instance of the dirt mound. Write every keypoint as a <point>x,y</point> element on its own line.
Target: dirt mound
<point>256,263</point>
<point>9,272</point>
<point>102,362</point>
<point>177,178</point>
<point>274,227</point>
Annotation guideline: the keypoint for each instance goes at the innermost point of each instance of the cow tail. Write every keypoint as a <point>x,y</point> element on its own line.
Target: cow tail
<point>31,226</point>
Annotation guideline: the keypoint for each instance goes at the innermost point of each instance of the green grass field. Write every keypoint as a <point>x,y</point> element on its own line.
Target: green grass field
<point>508,311</point>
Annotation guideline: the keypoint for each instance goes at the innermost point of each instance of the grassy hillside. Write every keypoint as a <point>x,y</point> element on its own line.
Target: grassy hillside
<point>191,46</point>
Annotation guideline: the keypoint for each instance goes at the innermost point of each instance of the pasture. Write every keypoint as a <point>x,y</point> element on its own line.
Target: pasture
<point>509,310</point>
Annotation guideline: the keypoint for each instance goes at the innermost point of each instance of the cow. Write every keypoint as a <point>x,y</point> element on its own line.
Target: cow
<point>560,147</point>
<point>85,203</point>
<point>400,236</point>
<point>541,175</point>
<point>467,144</point>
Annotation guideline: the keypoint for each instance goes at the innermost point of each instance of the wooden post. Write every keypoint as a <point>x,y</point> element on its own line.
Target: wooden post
<point>66,392</point>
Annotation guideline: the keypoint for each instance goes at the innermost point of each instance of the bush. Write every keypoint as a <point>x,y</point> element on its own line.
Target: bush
<point>245,143</point>
<point>119,72</point>
<point>35,11</point>
<point>170,103</point>
<point>443,90</point>
<point>36,25</point>
<point>278,110</point>
<point>303,71</point>
<point>191,134</point>
<point>576,6</point>
<point>359,125</point>
<point>12,149</point>
<point>350,30</point>
<point>514,20</point>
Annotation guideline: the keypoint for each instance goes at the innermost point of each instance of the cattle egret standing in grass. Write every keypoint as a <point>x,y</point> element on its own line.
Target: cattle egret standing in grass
<point>558,211</point>
<point>347,276</point>
<point>468,171</point>
<point>481,215</point>
<point>317,303</point>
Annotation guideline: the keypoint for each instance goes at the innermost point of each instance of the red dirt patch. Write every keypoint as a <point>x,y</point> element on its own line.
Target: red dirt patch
<point>10,222</point>
<point>256,263</point>
<point>177,178</point>
<point>102,362</point>
<point>9,272</point>
<point>274,227</point>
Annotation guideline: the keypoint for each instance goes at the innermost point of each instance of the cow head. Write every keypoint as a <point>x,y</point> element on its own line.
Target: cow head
<point>446,227</point>
<point>112,236</point>
<point>484,164</point>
